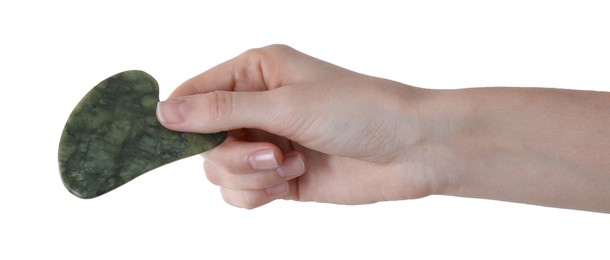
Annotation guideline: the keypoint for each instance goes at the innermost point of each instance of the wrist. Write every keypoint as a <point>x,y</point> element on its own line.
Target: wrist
<point>433,123</point>
<point>449,121</point>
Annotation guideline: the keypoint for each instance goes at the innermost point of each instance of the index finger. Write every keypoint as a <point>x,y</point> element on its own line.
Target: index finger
<point>254,70</point>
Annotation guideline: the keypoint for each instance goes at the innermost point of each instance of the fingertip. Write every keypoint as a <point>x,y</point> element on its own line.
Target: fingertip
<point>159,114</point>
<point>264,159</point>
<point>294,165</point>
<point>172,111</point>
<point>239,157</point>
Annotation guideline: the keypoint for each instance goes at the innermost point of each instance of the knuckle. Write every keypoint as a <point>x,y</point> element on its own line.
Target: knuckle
<point>220,105</point>
<point>211,173</point>
<point>249,200</point>
<point>266,63</point>
<point>254,181</point>
<point>279,48</point>
<point>263,180</point>
<point>267,51</point>
<point>240,198</point>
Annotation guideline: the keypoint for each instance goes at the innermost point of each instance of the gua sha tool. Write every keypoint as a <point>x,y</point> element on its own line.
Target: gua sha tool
<point>113,136</point>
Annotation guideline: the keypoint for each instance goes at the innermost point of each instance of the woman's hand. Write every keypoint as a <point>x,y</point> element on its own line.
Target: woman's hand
<point>307,130</point>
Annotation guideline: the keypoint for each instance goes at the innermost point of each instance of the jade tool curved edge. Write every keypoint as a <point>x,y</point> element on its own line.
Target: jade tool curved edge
<point>113,136</point>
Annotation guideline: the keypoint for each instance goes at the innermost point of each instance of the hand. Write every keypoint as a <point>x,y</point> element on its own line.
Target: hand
<point>303,129</point>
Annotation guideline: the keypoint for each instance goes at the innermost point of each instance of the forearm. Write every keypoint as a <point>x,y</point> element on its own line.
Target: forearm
<point>538,146</point>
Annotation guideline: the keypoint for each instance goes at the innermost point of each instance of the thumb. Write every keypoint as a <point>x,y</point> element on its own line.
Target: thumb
<point>218,111</point>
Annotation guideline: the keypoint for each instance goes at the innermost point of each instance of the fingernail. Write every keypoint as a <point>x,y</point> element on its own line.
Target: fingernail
<point>278,189</point>
<point>171,111</point>
<point>292,166</point>
<point>263,160</point>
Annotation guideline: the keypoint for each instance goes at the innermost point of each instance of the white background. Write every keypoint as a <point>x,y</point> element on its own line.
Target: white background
<point>53,52</point>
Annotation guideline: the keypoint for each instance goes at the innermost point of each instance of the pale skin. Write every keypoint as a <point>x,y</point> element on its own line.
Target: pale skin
<point>306,130</point>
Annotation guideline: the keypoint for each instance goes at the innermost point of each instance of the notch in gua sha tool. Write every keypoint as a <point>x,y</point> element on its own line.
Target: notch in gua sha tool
<point>113,136</point>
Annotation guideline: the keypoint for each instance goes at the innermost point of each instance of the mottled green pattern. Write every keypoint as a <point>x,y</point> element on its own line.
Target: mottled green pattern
<point>113,136</point>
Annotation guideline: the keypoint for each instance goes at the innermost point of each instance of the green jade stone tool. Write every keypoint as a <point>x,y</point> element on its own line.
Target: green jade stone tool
<point>113,136</point>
